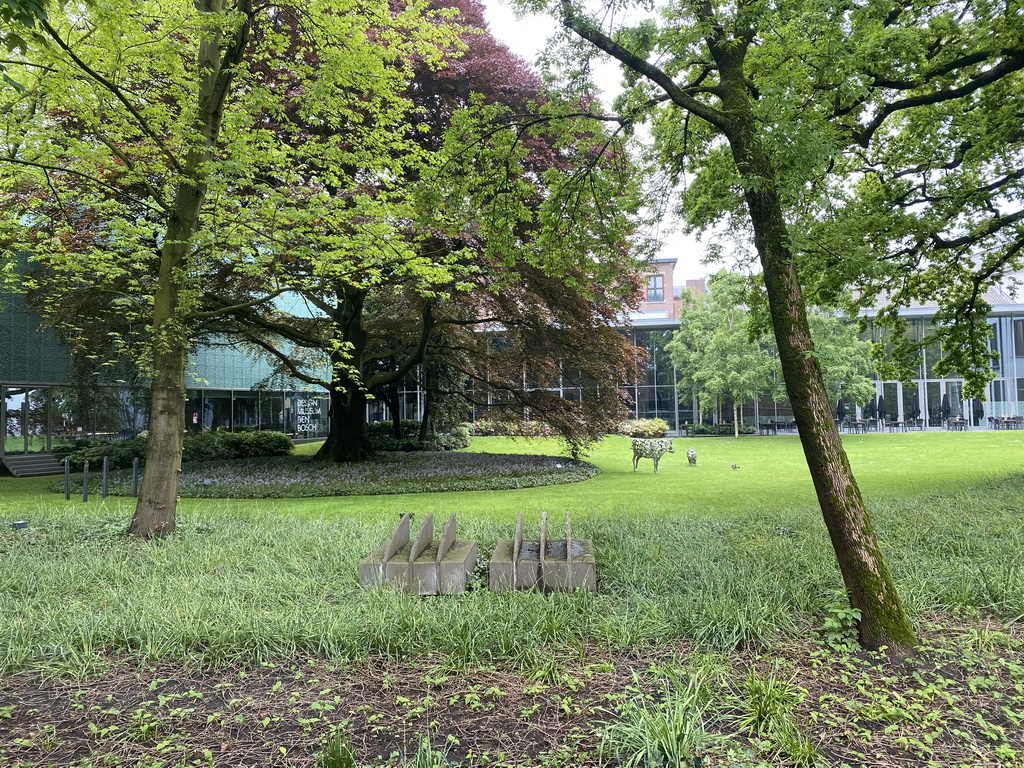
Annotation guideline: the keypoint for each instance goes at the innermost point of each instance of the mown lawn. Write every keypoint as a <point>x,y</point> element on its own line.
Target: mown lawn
<point>772,477</point>
<point>717,612</point>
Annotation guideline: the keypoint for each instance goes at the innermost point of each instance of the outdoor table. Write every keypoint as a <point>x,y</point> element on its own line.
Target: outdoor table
<point>767,428</point>
<point>857,425</point>
<point>956,425</point>
<point>896,425</point>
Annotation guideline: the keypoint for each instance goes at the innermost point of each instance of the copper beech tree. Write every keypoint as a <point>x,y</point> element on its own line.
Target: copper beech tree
<point>500,292</point>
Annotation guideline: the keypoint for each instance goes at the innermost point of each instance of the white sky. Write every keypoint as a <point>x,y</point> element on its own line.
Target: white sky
<point>526,37</point>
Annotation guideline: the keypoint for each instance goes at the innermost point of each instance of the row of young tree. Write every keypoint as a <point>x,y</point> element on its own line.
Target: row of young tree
<point>721,354</point>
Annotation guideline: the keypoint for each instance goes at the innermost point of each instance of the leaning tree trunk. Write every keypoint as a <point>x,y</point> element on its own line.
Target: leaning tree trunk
<point>883,622</point>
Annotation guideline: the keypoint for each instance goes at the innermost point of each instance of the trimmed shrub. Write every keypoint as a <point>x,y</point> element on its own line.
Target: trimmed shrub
<point>381,437</point>
<point>488,428</point>
<point>725,430</point>
<point>199,446</point>
<point>80,443</point>
<point>645,428</point>
<point>120,454</point>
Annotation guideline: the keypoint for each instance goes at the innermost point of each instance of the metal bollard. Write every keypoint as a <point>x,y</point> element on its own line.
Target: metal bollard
<point>67,480</point>
<point>85,482</point>
<point>103,492</point>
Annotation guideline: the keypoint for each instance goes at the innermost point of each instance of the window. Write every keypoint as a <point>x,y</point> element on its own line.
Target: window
<point>656,288</point>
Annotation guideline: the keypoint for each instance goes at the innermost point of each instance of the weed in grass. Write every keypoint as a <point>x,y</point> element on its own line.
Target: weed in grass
<point>660,734</point>
<point>839,628</point>
<point>426,756</point>
<point>337,752</point>
<point>767,708</point>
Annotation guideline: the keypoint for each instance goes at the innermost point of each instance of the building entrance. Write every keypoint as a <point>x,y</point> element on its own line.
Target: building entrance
<point>25,414</point>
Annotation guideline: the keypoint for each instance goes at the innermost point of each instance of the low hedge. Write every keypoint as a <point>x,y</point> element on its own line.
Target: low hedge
<point>389,473</point>
<point>720,429</point>
<point>199,446</point>
<point>645,428</point>
<point>382,437</point>
<point>489,428</point>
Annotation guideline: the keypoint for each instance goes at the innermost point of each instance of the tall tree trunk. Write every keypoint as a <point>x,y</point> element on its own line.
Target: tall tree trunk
<point>220,50</point>
<point>428,403</point>
<point>156,508</point>
<point>390,397</point>
<point>883,622</point>
<point>346,438</point>
<point>735,418</point>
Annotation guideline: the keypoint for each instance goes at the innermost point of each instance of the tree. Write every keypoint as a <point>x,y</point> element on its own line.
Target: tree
<point>721,352</point>
<point>139,125</point>
<point>846,359</point>
<point>765,101</point>
<point>496,214</point>
<point>716,352</point>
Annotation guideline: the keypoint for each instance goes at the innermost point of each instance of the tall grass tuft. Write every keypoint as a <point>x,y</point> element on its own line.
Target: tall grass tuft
<point>668,733</point>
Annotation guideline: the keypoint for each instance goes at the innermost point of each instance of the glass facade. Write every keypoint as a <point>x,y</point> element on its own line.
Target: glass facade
<point>42,416</point>
<point>926,396</point>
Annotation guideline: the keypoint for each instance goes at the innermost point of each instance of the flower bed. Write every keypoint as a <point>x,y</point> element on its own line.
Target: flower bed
<point>300,476</point>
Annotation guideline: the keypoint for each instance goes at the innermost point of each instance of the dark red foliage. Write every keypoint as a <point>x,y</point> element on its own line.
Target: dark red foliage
<point>486,67</point>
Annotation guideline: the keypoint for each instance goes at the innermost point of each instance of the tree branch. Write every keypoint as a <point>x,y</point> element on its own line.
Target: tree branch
<point>1012,63</point>
<point>118,94</point>
<point>226,310</point>
<point>585,29</point>
<point>57,169</point>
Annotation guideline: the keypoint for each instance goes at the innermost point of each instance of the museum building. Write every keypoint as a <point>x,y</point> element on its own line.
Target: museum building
<point>42,409</point>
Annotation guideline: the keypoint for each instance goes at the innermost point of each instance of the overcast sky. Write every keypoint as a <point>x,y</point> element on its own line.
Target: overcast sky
<point>526,36</point>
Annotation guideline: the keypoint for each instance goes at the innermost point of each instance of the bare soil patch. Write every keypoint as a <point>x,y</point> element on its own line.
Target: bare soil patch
<point>959,703</point>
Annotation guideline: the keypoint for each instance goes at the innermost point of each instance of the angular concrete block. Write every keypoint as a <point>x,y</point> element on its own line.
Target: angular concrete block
<point>454,568</point>
<point>552,565</point>
<point>566,569</point>
<point>396,570</point>
<point>399,538</point>
<point>371,567</point>
<point>423,539</point>
<point>502,566</point>
<point>421,566</point>
<point>448,537</point>
<point>423,573</point>
<point>528,566</point>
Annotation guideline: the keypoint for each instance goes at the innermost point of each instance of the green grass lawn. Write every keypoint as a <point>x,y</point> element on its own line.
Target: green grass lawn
<point>772,477</point>
<point>710,574</point>
<point>710,553</point>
